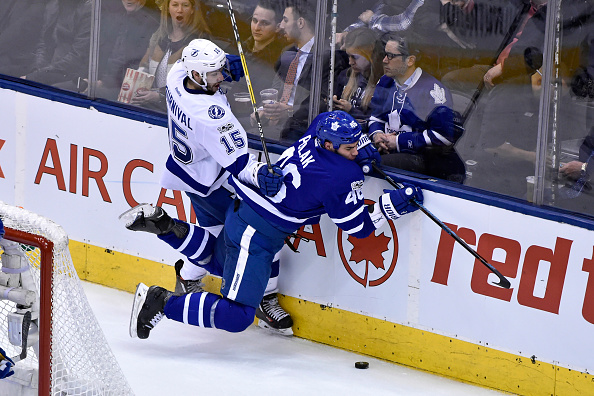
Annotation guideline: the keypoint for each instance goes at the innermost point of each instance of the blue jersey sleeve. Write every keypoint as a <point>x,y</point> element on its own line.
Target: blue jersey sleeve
<point>381,104</point>
<point>345,204</point>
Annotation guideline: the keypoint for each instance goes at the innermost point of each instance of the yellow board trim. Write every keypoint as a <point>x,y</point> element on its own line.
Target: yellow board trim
<point>434,353</point>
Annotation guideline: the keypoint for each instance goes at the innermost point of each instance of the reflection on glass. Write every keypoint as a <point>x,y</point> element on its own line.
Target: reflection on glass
<point>20,32</point>
<point>62,53</point>
<point>568,183</point>
<point>126,28</point>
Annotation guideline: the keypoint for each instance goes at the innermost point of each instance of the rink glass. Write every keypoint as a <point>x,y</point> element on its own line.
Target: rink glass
<point>503,144</point>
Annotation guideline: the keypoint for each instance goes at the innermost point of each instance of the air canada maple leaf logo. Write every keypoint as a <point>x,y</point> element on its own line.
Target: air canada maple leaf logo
<point>369,261</point>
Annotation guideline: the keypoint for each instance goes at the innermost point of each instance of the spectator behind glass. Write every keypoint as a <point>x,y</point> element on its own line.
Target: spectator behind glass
<point>134,23</point>
<point>266,43</point>
<point>181,22</point>
<point>355,86</point>
<point>262,49</point>
<point>294,72</point>
<point>20,27</point>
<point>62,55</point>
<point>404,120</point>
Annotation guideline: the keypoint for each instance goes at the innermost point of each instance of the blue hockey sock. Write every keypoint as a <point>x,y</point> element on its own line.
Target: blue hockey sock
<point>210,310</point>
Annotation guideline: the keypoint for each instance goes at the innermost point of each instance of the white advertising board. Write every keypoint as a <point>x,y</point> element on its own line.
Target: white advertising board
<point>82,168</point>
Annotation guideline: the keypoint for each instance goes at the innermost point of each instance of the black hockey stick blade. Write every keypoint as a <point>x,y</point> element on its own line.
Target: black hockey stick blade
<point>24,337</point>
<point>503,281</point>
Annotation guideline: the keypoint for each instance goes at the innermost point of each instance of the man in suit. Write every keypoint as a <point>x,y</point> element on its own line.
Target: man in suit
<point>294,73</point>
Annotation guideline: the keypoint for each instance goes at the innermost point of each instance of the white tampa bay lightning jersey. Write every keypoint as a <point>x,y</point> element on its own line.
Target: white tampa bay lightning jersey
<point>206,141</point>
<point>317,181</point>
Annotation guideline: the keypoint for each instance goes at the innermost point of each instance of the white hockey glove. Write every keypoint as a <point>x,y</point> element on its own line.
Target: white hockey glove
<point>395,203</point>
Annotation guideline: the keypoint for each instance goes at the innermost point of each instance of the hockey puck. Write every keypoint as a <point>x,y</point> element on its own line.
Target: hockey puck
<point>361,365</point>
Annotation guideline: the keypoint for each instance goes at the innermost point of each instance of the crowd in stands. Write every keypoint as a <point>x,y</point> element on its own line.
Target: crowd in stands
<point>397,64</point>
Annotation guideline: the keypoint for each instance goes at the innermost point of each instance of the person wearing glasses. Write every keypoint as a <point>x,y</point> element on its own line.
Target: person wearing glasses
<point>412,117</point>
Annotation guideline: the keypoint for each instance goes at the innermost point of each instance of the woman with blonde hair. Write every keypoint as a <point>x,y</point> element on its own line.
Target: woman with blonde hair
<point>355,85</point>
<point>181,22</point>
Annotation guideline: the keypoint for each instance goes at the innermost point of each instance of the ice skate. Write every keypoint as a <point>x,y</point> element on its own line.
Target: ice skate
<point>153,219</point>
<point>183,286</point>
<point>147,309</point>
<point>273,317</point>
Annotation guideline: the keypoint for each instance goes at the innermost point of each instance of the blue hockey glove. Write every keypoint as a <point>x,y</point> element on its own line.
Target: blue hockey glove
<point>6,365</point>
<point>395,203</point>
<point>235,67</point>
<point>270,183</point>
<point>368,154</point>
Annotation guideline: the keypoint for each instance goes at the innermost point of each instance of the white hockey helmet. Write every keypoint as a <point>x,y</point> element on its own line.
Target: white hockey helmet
<point>203,56</point>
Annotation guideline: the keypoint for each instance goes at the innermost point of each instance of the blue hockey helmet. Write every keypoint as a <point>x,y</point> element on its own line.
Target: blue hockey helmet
<point>338,127</point>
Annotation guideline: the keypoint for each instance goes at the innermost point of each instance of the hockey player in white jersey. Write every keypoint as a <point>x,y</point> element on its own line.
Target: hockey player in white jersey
<point>207,144</point>
<point>321,176</point>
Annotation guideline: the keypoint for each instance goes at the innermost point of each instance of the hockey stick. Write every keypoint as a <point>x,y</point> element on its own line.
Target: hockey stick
<point>503,281</point>
<point>249,84</point>
<point>24,337</point>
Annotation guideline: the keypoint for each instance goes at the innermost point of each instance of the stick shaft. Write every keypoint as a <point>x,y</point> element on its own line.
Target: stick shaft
<point>503,281</point>
<point>249,84</point>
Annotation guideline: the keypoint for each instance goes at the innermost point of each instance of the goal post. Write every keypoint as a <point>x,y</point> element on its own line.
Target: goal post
<point>67,353</point>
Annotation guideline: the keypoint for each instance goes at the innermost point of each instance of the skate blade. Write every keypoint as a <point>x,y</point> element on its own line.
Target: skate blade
<point>128,217</point>
<point>285,332</point>
<point>139,299</point>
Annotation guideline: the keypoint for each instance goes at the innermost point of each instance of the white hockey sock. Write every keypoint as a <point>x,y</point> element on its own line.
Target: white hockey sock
<point>192,272</point>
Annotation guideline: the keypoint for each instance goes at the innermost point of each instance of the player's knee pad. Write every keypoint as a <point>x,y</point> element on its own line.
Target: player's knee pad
<point>232,316</point>
<point>197,246</point>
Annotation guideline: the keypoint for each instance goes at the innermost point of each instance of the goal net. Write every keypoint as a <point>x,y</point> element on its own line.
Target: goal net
<point>67,353</point>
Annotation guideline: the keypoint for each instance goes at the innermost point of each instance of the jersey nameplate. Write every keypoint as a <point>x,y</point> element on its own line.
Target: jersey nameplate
<point>304,157</point>
<point>177,112</point>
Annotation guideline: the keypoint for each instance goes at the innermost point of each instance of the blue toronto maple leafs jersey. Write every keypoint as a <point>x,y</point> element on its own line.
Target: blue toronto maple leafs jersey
<point>317,181</point>
<point>422,95</point>
<point>404,112</point>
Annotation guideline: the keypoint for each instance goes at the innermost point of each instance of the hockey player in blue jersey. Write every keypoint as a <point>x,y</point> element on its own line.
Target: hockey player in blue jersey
<point>411,116</point>
<point>207,144</point>
<point>321,176</point>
